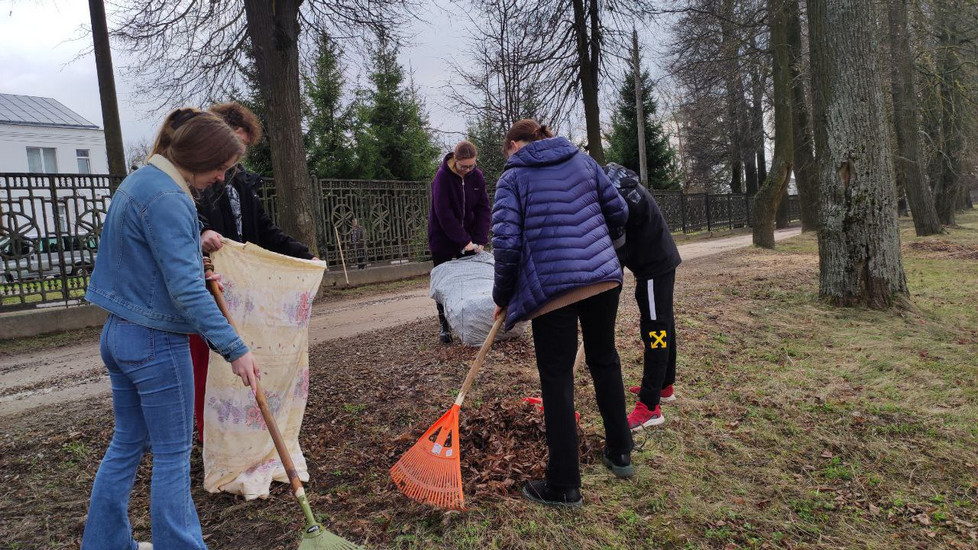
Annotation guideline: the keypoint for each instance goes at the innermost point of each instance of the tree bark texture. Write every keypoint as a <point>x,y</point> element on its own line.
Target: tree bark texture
<point>947,188</point>
<point>769,195</point>
<point>731,75</point>
<point>588,45</point>
<point>858,240</point>
<point>906,119</point>
<point>803,152</point>
<point>758,81</point>
<point>106,91</point>
<point>274,32</point>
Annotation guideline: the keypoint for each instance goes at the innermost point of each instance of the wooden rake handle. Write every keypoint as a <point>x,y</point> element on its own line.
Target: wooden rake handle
<point>480,358</point>
<point>283,451</point>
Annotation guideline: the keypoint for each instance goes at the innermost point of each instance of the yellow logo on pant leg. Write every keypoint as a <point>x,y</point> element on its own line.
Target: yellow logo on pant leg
<point>659,339</point>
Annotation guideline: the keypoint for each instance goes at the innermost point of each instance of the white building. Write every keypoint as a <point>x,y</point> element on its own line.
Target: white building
<point>40,135</point>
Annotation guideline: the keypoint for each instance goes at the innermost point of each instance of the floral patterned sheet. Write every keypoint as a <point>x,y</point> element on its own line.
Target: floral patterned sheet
<point>270,297</point>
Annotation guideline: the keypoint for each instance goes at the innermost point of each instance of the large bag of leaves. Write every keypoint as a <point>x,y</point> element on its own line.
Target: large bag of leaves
<point>270,297</point>
<point>464,287</point>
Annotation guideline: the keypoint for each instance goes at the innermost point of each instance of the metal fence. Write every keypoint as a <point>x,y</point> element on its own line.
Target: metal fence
<point>50,227</point>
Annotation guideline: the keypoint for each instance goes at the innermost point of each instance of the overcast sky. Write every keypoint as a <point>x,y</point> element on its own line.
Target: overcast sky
<point>41,54</point>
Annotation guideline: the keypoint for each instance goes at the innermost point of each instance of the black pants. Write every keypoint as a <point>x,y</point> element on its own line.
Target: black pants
<point>658,327</point>
<point>555,343</point>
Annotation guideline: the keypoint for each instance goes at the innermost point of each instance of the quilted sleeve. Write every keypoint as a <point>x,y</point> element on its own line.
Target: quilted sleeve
<point>507,238</point>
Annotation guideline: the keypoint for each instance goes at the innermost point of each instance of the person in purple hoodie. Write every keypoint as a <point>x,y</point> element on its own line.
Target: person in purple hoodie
<point>458,223</point>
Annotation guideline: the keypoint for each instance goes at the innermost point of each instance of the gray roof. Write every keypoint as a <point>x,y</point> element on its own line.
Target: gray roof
<point>39,111</point>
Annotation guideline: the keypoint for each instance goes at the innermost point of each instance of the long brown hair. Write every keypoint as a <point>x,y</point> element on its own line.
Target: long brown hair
<point>237,116</point>
<point>526,130</point>
<point>197,141</point>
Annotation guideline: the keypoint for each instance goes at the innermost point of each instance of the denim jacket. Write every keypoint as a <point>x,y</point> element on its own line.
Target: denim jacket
<point>149,267</point>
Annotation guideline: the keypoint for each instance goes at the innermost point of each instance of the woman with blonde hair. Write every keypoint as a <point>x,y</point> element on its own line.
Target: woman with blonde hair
<point>149,277</point>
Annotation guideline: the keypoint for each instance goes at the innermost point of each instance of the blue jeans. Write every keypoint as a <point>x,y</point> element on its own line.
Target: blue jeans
<point>153,395</point>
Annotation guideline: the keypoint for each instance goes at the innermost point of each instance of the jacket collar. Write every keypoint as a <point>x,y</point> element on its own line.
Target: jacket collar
<point>169,169</point>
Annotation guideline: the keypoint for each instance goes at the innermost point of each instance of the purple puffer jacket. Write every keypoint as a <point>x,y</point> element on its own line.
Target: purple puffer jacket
<point>459,211</point>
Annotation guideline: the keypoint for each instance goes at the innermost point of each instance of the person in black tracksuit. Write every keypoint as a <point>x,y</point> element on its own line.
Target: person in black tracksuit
<point>651,254</point>
<point>234,211</point>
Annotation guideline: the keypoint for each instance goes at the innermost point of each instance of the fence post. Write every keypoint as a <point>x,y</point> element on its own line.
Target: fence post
<point>682,210</point>
<point>747,199</point>
<point>59,241</point>
<point>317,204</point>
<point>709,226</point>
<point>730,222</point>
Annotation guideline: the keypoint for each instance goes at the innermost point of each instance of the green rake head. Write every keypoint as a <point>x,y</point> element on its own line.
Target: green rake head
<point>316,537</point>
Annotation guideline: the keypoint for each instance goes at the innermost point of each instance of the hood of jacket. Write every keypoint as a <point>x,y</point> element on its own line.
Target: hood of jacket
<point>542,153</point>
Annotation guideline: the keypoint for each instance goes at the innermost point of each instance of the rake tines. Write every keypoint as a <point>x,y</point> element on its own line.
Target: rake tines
<point>430,472</point>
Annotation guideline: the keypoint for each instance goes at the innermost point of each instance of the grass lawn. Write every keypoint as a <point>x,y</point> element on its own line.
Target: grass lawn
<point>797,425</point>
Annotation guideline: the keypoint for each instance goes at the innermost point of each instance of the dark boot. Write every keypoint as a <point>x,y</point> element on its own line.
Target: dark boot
<point>620,464</point>
<point>541,492</point>
<point>446,331</point>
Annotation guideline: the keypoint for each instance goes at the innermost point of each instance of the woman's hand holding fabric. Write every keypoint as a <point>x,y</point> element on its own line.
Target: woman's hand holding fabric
<point>210,241</point>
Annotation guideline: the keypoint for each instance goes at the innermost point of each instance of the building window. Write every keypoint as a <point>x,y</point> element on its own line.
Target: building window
<point>42,160</point>
<point>84,163</point>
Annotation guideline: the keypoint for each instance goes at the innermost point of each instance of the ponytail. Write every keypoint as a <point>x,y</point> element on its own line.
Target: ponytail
<point>526,130</point>
<point>196,140</point>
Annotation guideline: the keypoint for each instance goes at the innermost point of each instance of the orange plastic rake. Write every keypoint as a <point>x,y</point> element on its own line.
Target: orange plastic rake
<point>430,472</point>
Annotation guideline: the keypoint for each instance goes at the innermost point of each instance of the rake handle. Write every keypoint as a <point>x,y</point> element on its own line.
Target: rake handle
<point>283,451</point>
<point>480,358</point>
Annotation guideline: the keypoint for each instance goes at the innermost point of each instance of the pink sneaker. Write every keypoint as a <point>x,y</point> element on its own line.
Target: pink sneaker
<point>642,417</point>
<point>635,389</point>
<point>667,394</point>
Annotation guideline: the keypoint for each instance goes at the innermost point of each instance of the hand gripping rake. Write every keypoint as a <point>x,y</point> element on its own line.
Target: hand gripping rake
<point>430,472</point>
<point>314,535</point>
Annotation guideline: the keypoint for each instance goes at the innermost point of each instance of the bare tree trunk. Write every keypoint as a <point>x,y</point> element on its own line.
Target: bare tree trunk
<point>907,124</point>
<point>771,192</point>
<point>587,52</point>
<point>758,81</point>
<point>106,91</point>
<point>782,217</point>
<point>274,32</point>
<point>858,238</point>
<point>803,154</point>
<point>729,50</point>
<point>947,189</point>
<point>643,159</point>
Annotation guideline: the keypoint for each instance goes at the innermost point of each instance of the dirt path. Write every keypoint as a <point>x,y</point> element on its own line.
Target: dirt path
<point>50,376</point>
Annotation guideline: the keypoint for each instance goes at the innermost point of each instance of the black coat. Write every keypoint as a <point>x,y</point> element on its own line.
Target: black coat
<point>214,212</point>
<point>649,250</point>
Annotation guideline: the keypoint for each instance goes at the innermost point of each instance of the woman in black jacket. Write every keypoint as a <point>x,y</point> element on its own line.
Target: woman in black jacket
<point>233,210</point>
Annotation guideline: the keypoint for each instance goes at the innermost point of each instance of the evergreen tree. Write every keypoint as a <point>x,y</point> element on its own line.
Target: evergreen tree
<point>328,138</point>
<point>623,139</point>
<point>393,140</point>
<point>487,137</point>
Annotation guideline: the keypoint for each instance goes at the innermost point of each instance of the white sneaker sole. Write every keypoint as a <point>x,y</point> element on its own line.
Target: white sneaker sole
<point>669,399</point>
<point>649,423</point>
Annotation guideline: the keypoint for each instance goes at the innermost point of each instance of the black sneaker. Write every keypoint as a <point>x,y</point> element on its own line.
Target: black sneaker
<point>540,492</point>
<point>620,464</point>
<point>445,336</point>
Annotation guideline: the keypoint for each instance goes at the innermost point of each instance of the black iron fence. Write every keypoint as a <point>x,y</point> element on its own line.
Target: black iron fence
<point>50,227</point>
